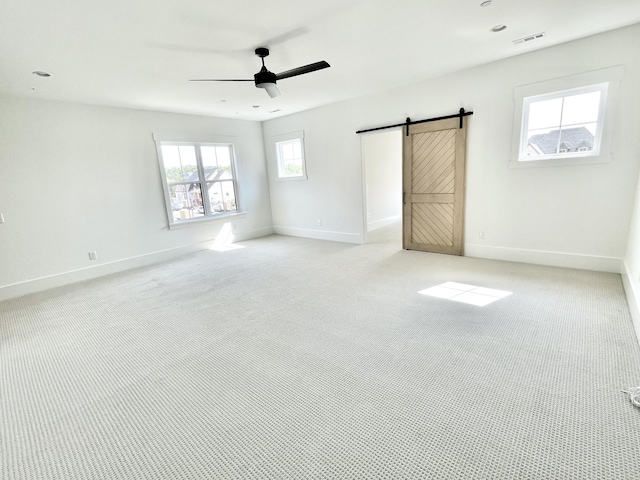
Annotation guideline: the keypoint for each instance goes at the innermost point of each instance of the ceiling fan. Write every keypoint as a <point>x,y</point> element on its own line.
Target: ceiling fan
<point>266,79</point>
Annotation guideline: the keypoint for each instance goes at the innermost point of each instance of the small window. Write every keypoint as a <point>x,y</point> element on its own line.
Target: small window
<point>199,180</point>
<point>565,121</point>
<point>290,156</point>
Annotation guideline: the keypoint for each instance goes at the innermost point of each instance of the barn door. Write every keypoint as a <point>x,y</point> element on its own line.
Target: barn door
<point>433,186</point>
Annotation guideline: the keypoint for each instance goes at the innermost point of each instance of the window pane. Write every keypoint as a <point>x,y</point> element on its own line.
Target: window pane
<point>583,108</point>
<point>171,161</point>
<point>577,139</point>
<point>545,114</point>
<point>297,149</point>
<point>222,196</point>
<point>293,168</point>
<point>208,158</point>
<point>188,161</point>
<point>290,158</point>
<point>215,197</point>
<point>224,159</point>
<point>186,201</point>
<point>542,142</point>
<point>287,151</point>
<point>229,195</point>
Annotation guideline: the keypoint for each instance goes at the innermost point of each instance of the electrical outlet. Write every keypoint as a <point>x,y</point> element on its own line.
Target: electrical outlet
<point>481,235</point>
<point>93,255</point>
<point>319,222</point>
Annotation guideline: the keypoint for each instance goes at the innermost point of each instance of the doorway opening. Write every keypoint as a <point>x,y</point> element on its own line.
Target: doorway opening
<point>382,165</point>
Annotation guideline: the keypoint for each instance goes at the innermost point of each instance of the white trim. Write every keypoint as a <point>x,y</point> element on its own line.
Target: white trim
<point>287,137</point>
<point>34,285</point>
<point>632,292</point>
<point>320,234</point>
<point>540,257</point>
<point>363,192</point>
<point>206,202</point>
<point>611,76</point>
<point>202,137</point>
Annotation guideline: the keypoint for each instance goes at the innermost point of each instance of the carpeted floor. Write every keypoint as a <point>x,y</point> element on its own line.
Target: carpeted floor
<point>293,358</point>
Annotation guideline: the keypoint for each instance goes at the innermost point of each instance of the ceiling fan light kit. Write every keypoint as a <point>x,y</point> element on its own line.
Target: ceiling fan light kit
<point>268,80</point>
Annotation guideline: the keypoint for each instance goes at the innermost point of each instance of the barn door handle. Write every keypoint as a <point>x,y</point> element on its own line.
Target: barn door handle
<point>404,198</point>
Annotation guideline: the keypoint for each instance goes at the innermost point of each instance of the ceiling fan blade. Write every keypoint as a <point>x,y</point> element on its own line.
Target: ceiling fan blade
<point>302,70</point>
<point>273,90</point>
<point>222,80</point>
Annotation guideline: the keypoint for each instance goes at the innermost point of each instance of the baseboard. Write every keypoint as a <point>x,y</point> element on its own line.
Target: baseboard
<point>541,257</point>
<point>383,222</point>
<point>632,291</point>
<point>320,234</point>
<point>74,276</point>
<point>262,232</point>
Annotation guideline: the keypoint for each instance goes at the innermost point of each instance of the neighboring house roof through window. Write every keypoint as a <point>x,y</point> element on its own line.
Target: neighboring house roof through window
<point>572,139</point>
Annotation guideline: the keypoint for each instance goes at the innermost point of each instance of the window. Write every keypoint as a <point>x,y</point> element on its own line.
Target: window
<point>565,121</point>
<point>199,180</point>
<point>290,156</point>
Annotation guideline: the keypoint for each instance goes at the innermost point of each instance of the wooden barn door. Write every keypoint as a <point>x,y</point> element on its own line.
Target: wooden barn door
<point>433,186</point>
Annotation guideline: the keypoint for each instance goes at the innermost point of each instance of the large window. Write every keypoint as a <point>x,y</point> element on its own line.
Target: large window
<point>565,121</point>
<point>199,180</point>
<point>290,156</point>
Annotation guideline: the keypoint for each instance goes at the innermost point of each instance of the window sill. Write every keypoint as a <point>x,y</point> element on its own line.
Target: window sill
<point>292,179</point>
<point>561,161</point>
<point>199,221</point>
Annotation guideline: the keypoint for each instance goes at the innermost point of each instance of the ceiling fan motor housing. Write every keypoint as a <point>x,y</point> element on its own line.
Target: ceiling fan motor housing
<point>264,78</point>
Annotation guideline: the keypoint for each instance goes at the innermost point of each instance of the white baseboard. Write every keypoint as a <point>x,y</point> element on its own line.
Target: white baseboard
<point>74,276</point>
<point>632,291</point>
<point>262,232</point>
<point>383,222</point>
<point>540,257</point>
<point>320,234</point>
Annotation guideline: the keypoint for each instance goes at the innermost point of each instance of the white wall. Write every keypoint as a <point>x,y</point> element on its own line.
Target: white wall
<point>631,266</point>
<point>382,162</point>
<point>75,178</point>
<point>576,216</point>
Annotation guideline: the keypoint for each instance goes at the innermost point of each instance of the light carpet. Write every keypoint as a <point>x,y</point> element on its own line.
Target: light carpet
<point>294,358</point>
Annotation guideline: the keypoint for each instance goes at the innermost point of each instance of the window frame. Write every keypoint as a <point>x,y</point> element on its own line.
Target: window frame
<point>208,214</point>
<point>606,80</point>
<point>278,141</point>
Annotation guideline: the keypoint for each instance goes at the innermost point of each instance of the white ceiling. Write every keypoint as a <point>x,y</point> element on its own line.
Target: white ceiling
<point>141,53</point>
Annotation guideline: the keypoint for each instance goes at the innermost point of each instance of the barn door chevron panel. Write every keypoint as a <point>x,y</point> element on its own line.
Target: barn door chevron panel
<point>434,184</point>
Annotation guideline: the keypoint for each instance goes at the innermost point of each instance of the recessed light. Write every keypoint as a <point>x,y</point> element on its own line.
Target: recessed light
<point>223,101</point>
<point>498,28</point>
<point>40,73</point>
<point>256,106</point>
<point>486,3</point>
<point>275,111</point>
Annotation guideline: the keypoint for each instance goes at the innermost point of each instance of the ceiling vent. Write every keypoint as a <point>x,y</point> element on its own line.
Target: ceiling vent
<point>528,39</point>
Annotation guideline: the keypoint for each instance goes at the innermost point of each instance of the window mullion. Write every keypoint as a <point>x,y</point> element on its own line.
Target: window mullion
<point>234,178</point>
<point>560,127</point>
<point>203,181</point>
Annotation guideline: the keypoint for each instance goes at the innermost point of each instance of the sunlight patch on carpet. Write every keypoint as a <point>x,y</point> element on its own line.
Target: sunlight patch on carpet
<point>464,293</point>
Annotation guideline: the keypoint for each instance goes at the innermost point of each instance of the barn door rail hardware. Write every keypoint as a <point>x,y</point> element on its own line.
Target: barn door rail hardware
<point>461,114</point>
